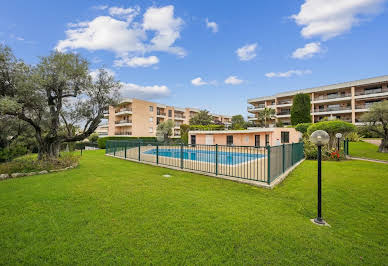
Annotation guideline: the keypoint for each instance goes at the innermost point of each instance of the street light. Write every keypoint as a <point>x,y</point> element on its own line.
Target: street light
<point>338,136</point>
<point>319,138</point>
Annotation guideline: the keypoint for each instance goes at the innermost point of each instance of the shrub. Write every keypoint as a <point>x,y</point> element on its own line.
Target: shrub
<point>353,136</point>
<point>332,128</point>
<point>207,127</point>
<point>30,163</point>
<point>302,127</point>
<point>364,132</point>
<point>102,141</point>
<point>311,151</point>
<point>11,152</point>
<point>93,138</point>
<point>300,109</point>
<point>185,133</point>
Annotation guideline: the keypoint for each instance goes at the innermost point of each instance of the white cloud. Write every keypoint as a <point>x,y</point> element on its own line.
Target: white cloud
<point>137,61</point>
<point>308,51</point>
<point>100,7</point>
<point>94,73</point>
<point>198,82</point>
<point>157,31</point>
<point>329,18</point>
<point>247,52</point>
<point>288,73</point>
<point>233,80</point>
<point>212,25</point>
<point>131,90</point>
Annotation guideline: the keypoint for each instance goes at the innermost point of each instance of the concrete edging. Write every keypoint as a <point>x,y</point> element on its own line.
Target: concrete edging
<point>16,175</point>
<point>262,184</point>
<point>367,159</point>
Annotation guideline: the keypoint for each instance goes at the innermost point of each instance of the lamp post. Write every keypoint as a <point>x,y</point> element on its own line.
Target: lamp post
<point>338,136</point>
<point>319,138</point>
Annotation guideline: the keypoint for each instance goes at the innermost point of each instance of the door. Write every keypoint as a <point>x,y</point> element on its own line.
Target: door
<point>193,139</point>
<point>209,140</point>
<point>266,139</point>
<point>257,140</point>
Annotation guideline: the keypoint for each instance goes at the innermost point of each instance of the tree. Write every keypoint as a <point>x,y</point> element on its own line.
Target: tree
<point>377,121</point>
<point>164,130</point>
<point>265,115</point>
<point>300,109</point>
<point>55,96</point>
<point>238,122</point>
<point>201,118</point>
<point>184,130</point>
<point>93,137</point>
<point>332,128</point>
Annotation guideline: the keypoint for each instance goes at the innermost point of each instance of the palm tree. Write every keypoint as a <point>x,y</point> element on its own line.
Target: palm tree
<point>266,114</point>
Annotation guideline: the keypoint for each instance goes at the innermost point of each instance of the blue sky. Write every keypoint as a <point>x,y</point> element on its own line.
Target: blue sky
<point>207,54</point>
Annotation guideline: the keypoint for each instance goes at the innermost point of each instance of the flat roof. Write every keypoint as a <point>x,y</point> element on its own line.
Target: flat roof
<point>247,131</point>
<point>324,88</point>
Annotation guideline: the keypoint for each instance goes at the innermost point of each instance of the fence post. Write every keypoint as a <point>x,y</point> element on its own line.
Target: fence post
<point>157,153</point>
<point>125,151</point>
<point>139,150</point>
<point>268,164</point>
<point>292,154</point>
<point>216,159</point>
<point>181,155</point>
<point>284,157</point>
<point>114,149</point>
<point>347,146</point>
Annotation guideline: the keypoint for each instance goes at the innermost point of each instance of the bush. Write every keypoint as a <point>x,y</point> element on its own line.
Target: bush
<point>93,138</point>
<point>353,136</point>
<point>102,141</point>
<point>311,151</point>
<point>81,145</point>
<point>302,127</point>
<point>185,133</point>
<point>11,152</point>
<point>332,128</point>
<point>364,132</point>
<point>207,127</point>
<point>30,163</point>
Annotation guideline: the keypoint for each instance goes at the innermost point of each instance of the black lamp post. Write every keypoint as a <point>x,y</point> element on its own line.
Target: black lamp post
<point>338,136</point>
<point>319,138</point>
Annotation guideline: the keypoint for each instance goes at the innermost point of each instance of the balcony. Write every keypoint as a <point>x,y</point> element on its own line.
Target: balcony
<point>179,117</point>
<point>106,114</point>
<point>378,92</point>
<point>284,103</point>
<point>103,126</point>
<point>252,118</point>
<point>364,107</point>
<point>332,97</point>
<point>123,123</point>
<point>329,110</point>
<point>124,133</point>
<point>283,114</point>
<point>160,113</point>
<point>256,108</point>
<point>124,111</point>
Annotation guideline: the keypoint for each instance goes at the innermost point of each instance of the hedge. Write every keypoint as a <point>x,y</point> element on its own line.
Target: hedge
<point>102,141</point>
<point>207,127</point>
<point>302,127</point>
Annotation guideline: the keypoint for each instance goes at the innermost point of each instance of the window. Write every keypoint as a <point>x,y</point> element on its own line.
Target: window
<point>266,140</point>
<point>169,113</point>
<point>193,139</point>
<point>151,119</point>
<point>229,140</point>
<point>257,140</point>
<point>247,139</point>
<point>285,137</point>
<point>151,130</point>
<point>151,108</point>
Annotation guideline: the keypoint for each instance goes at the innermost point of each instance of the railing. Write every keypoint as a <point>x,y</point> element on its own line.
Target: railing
<point>331,109</point>
<point>123,110</point>
<point>124,133</point>
<point>255,107</point>
<point>367,92</point>
<point>161,113</point>
<point>180,116</point>
<point>284,113</point>
<point>123,121</point>
<point>263,164</point>
<point>334,96</point>
<point>285,102</point>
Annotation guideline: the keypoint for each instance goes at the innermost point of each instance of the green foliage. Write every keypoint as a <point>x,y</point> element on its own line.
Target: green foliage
<point>364,132</point>
<point>30,163</point>
<point>332,128</point>
<point>302,127</point>
<point>185,133</point>
<point>207,127</point>
<point>279,124</point>
<point>265,116</point>
<point>353,136</point>
<point>164,130</point>
<point>93,137</point>
<point>311,151</point>
<point>7,154</point>
<point>102,141</point>
<point>300,109</point>
<point>203,117</point>
<point>238,122</point>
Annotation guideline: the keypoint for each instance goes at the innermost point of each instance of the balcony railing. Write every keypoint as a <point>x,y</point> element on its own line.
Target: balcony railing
<point>285,102</point>
<point>251,107</point>
<point>331,109</point>
<point>127,133</point>
<point>332,96</point>
<point>180,116</point>
<point>123,121</point>
<point>284,113</point>
<point>367,92</point>
<point>123,110</point>
<point>161,113</point>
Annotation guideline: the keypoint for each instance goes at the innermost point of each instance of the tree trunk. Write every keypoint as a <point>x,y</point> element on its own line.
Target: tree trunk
<point>384,145</point>
<point>48,150</point>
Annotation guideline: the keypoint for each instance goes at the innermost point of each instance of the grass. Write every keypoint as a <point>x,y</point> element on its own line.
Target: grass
<point>110,211</point>
<point>366,150</point>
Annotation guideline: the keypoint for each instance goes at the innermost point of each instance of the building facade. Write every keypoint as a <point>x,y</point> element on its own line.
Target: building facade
<point>139,118</point>
<point>346,101</point>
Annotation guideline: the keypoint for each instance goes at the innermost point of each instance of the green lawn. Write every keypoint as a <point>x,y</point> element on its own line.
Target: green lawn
<point>110,211</point>
<point>366,150</point>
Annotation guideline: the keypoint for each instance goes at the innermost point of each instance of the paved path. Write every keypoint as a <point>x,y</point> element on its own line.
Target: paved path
<point>369,160</point>
<point>376,142</point>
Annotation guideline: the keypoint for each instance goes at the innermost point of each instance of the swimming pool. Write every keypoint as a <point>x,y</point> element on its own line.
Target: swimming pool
<point>228,158</point>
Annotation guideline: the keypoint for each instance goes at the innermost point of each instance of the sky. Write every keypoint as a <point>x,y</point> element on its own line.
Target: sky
<point>211,55</point>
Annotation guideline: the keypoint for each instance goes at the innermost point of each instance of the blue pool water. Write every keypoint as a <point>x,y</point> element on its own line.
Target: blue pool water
<point>229,158</point>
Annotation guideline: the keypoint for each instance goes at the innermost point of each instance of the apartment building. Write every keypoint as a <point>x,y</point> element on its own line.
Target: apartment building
<point>346,101</point>
<point>139,118</point>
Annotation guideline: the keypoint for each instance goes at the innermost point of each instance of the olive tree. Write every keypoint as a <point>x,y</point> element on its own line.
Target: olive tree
<point>164,130</point>
<point>377,121</point>
<point>54,97</point>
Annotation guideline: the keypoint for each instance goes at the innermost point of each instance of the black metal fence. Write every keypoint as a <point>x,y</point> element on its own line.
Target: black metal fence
<point>262,164</point>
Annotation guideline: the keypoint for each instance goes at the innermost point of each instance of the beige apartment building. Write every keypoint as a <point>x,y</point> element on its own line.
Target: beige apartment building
<point>346,101</point>
<point>139,118</point>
